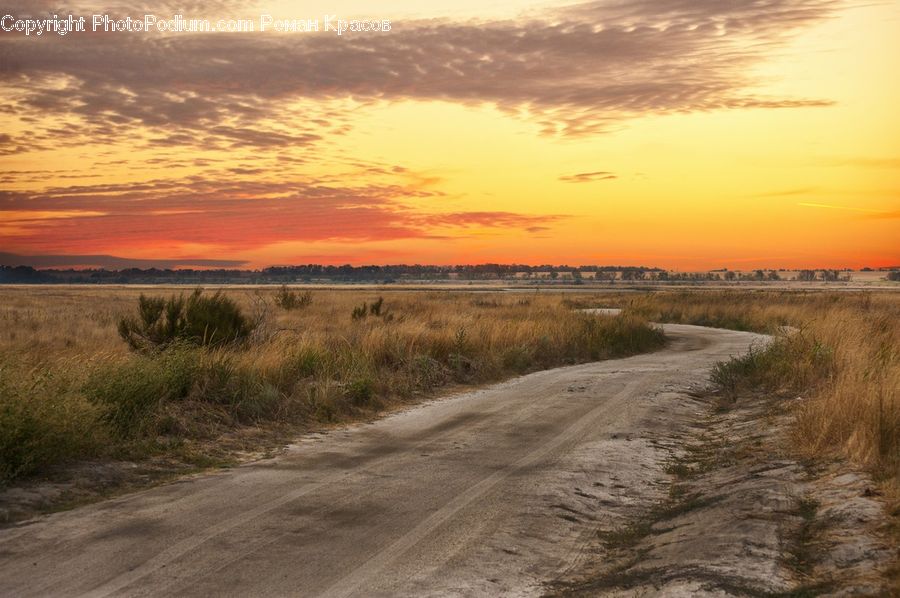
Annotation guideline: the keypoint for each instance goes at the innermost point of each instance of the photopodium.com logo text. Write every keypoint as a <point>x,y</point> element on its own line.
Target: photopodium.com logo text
<point>180,24</point>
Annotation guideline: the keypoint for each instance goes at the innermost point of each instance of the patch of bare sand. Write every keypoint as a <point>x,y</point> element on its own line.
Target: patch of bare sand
<point>744,518</point>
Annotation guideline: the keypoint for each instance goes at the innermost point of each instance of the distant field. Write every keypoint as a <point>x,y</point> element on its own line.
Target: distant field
<point>72,388</point>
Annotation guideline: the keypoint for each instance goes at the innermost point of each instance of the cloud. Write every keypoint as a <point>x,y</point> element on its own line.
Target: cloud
<point>491,219</point>
<point>787,192</point>
<point>231,215</point>
<point>110,262</point>
<point>588,177</point>
<point>577,70</point>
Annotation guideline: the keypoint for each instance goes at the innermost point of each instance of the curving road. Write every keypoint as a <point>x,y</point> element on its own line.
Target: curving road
<point>493,492</point>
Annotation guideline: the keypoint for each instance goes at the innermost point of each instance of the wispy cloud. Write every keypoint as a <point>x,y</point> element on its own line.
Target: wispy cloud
<point>787,192</point>
<point>845,208</point>
<point>588,177</point>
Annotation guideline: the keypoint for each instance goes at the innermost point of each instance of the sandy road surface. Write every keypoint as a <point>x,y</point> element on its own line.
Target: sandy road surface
<point>493,492</point>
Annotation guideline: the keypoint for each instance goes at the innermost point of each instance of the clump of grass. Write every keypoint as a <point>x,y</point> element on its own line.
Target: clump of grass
<point>42,421</point>
<point>652,522</point>
<point>131,391</point>
<point>360,391</point>
<point>787,365</point>
<point>375,308</point>
<point>801,554</point>
<point>200,319</point>
<point>362,311</point>
<point>289,300</point>
<point>606,337</point>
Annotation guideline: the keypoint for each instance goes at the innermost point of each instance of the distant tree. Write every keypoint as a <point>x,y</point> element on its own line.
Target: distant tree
<point>18,274</point>
<point>806,275</point>
<point>894,275</point>
<point>729,275</point>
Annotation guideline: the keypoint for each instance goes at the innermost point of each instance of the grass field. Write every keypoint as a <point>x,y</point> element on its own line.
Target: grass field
<point>71,388</point>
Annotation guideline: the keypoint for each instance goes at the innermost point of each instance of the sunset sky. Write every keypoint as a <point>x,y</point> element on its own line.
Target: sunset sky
<point>684,134</point>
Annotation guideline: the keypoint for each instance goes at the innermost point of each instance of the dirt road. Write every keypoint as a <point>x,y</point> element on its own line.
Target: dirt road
<point>493,492</point>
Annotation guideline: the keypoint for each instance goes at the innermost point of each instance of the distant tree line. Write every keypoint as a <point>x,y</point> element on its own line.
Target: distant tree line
<point>315,272</point>
<point>402,272</point>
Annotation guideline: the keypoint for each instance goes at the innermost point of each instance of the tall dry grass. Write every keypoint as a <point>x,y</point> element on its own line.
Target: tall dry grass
<point>841,354</point>
<point>70,387</point>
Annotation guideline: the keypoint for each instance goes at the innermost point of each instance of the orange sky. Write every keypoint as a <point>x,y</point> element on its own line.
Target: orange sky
<point>685,134</point>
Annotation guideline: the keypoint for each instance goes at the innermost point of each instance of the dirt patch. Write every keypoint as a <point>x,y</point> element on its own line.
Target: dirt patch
<point>743,517</point>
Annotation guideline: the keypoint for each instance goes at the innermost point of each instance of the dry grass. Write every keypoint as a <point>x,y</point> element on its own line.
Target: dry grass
<point>843,359</point>
<point>70,387</point>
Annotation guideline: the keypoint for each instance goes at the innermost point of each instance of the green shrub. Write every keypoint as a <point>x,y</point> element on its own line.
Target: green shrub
<point>289,300</point>
<point>375,309</point>
<point>518,359</point>
<point>208,320</point>
<point>360,312</point>
<point>360,391</point>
